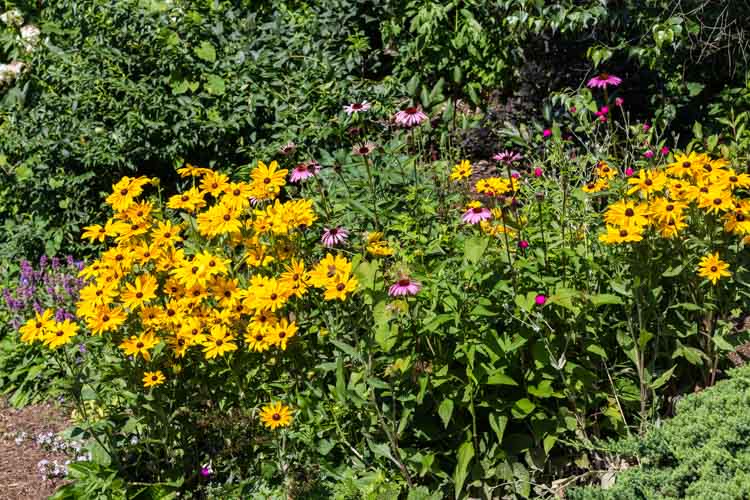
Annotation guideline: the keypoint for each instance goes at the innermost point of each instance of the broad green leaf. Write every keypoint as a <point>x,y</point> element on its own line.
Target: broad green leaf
<point>206,51</point>
<point>498,424</point>
<point>522,408</point>
<point>445,410</point>
<point>663,379</point>
<point>474,248</point>
<point>499,378</point>
<point>215,85</point>
<point>465,454</point>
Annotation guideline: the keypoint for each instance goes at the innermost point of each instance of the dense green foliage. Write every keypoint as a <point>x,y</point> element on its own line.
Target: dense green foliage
<point>535,333</point>
<point>701,453</point>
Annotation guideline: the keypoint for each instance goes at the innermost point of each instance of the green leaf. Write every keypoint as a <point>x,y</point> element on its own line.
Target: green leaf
<point>597,349</point>
<point>474,248</point>
<point>549,442</point>
<point>465,454</point>
<point>605,298</point>
<point>722,343</point>
<point>206,51</point>
<point>522,408</point>
<point>672,272</point>
<point>445,410</point>
<point>498,424</point>
<point>663,379</point>
<point>215,85</point>
<point>499,378</point>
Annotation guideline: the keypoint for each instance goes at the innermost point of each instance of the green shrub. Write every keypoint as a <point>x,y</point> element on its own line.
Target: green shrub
<point>703,452</point>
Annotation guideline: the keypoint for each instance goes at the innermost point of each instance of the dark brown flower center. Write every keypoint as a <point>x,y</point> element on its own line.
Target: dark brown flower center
<point>139,295</point>
<point>267,181</point>
<point>629,212</point>
<point>648,182</point>
<point>227,217</point>
<point>60,333</point>
<point>185,197</point>
<point>236,192</point>
<point>686,164</point>
<point>477,210</point>
<point>276,417</point>
<point>340,287</point>
<point>623,233</point>
<point>154,378</point>
<point>713,269</point>
<point>669,207</point>
<point>404,282</point>
<point>219,343</point>
<point>740,217</point>
<point>139,345</point>
<point>124,192</point>
<point>411,110</point>
<point>274,296</point>
<point>717,201</point>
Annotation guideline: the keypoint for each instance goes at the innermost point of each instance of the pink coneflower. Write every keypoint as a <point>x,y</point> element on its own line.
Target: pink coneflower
<point>507,156</point>
<point>357,107</point>
<point>648,154</point>
<point>476,215</point>
<point>334,236</point>
<point>540,299</point>
<point>604,80</point>
<point>364,149</point>
<point>665,150</point>
<point>538,172</point>
<point>410,116</point>
<point>404,286</point>
<point>288,148</point>
<point>304,171</point>
<point>546,133</point>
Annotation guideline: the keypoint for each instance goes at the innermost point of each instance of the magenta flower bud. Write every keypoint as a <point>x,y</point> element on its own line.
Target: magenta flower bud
<point>665,151</point>
<point>619,101</point>
<point>523,244</point>
<point>646,127</point>
<point>537,172</point>
<point>649,154</point>
<point>573,109</point>
<point>547,132</point>
<point>515,174</point>
<point>628,172</point>
<point>604,110</point>
<point>603,118</point>
<point>540,299</point>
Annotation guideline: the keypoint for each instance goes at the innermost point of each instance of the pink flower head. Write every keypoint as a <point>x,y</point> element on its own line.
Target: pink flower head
<point>619,101</point>
<point>523,244</point>
<point>410,116</point>
<point>507,156</point>
<point>664,150</point>
<point>476,215</point>
<point>404,286</point>
<point>603,80</point>
<point>334,236</point>
<point>540,299</point>
<point>628,172</point>
<point>604,110</point>
<point>603,118</point>
<point>648,154</point>
<point>515,174</point>
<point>357,107</point>
<point>646,127</point>
<point>573,109</point>
<point>538,172</point>
<point>304,171</point>
<point>364,149</point>
<point>206,470</point>
<point>546,133</point>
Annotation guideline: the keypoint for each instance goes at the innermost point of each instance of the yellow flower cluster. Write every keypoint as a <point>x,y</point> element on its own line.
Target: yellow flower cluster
<point>663,196</point>
<point>45,328</point>
<point>496,186</point>
<point>228,274</point>
<point>603,174</point>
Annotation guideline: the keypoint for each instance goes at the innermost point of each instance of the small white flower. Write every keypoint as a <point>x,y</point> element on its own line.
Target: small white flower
<point>12,17</point>
<point>30,35</point>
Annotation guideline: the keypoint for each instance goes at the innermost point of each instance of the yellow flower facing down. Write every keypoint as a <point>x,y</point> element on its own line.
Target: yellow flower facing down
<point>60,333</point>
<point>275,415</point>
<point>461,171</point>
<point>713,268</point>
<point>153,379</point>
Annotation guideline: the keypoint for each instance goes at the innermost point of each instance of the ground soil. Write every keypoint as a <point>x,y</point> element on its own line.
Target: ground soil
<point>19,476</point>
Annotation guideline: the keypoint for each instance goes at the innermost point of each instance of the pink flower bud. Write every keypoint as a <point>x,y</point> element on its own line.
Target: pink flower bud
<point>523,244</point>
<point>628,172</point>
<point>619,101</point>
<point>649,154</point>
<point>602,118</point>
<point>573,109</point>
<point>546,133</point>
<point>646,127</point>
<point>604,110</point>
<point>537,172</point>
<point>665,151</point>
<point>540,300</point>
<point>515,174</point>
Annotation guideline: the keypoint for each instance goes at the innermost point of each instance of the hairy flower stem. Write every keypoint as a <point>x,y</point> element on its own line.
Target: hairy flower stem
<point>372,192</point>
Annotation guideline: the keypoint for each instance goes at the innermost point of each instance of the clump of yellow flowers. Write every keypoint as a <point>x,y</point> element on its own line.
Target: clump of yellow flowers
<point>220,267</point>
<point>660,199</point>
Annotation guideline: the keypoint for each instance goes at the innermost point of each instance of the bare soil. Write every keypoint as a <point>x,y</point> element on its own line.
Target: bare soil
<point>19,476</point>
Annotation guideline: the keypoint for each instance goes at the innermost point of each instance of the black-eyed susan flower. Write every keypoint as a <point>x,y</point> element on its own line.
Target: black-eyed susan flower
<point>140,345</point>
<point>35,328</point>
<point>142,291</point>
<point>59,333</point>
<point>275,415</point>
<point>153,379</point>
<point>647,182</point>
<point>616,235</point>
<point>713,268</point>
<point>461,171</point>
<point>627,214</point>
<point>218,342</point>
